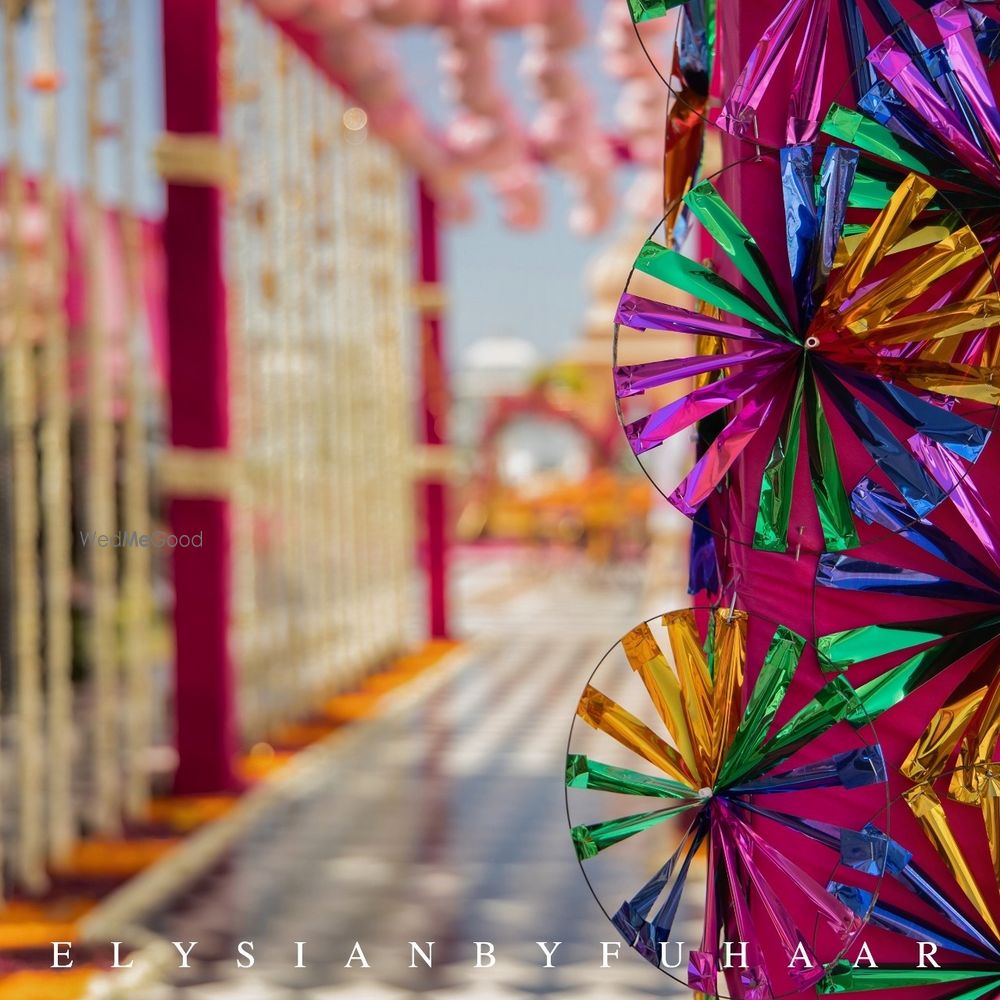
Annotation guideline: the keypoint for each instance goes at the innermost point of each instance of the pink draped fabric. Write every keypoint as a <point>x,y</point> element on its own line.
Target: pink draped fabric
<point>780,587</point>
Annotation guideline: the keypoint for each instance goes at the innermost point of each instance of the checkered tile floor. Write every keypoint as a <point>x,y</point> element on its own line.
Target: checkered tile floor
<point>443,821</point>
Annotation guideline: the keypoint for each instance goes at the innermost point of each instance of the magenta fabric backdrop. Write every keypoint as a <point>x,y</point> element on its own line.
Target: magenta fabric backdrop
<point>781,587</point>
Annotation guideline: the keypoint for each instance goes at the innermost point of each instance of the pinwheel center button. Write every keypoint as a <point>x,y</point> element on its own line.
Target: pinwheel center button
<point>705,793</point>
<point>812,342</point>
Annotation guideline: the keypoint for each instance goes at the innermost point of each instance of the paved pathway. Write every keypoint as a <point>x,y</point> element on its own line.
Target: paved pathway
<point>443,821</point>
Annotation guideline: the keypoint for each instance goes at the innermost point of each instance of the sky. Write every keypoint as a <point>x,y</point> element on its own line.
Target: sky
<point>502,282</point>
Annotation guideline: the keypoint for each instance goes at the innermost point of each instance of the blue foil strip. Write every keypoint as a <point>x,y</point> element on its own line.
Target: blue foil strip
<point>801,226</point>
<point>860,902</point>
<point>872,852</point>
<point>960,436</point>
<point>903,470</point>
<point>851,769</point>
<point>858,47</point>
<point>703,566</point>
<point>694,57</point>
<point>874,505</point>
<point>840,572</point>
<point>836,178</point>
<point>883,104</point>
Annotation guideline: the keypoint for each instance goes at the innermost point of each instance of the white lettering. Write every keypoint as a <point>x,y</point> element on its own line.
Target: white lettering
<point>727,953</point>
<point>425,957</point>
<point>117,964</point>
<point>184,954</point>
<point>548,954</point>
<point>357,955</point>
<point>61,950</point>
<point>928,949</point>
<point>664,964</point>
<point>866,954</point>
<point>801,955</point>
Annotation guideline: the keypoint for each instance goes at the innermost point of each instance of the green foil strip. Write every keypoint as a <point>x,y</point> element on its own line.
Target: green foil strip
<point>776,672</point>
<point>649,10</point>
<point>840,650</point>
<point>854,128</point>
<point>844,978</point>
<point>890,688</point>
<point>734,239</point>
<point>590,840</point>
<point>711,33</point>
<point>582,772</point>
<point>774,506</point>
<point>833,703</point>
<point>703,283</point>
<point>824,471</point>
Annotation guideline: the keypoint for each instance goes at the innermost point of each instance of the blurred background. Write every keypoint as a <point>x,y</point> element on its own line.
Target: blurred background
<point>315,513</point>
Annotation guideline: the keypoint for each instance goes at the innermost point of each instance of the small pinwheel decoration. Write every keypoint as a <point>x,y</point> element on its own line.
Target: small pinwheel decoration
<point>871,336</point>
<point>719,762</point>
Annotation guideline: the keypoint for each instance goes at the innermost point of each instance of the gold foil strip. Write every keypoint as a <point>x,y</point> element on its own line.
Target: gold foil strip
<point>730,666</point>
<point>606,715</point>
<point>907,202</point>
<point>947,321</point>
<point>888,297</point>
<point>929,812</point>
<point>976,753</point>
<point>930,754</point>
<point>991,822</point>
<point>646,658</point>
<point>692,670</point>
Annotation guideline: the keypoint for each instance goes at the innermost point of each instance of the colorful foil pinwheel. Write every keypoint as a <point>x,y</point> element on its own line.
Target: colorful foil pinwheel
<point>864,337</point>
<point>719,759</point>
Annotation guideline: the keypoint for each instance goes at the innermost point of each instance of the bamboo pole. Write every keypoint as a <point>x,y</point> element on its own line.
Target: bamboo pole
<point>57,519</point>
<point>137,597</point>
<point>105,797</point>
<point>19,389</point>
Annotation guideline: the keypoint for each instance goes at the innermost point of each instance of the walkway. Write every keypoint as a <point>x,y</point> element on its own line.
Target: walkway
<point>443,820</point>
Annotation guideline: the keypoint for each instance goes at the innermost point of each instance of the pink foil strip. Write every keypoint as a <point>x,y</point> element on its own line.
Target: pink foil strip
<point>633,380</point>
<point>840,919</point>
<point>896,66</point>
<point>805,110</point>
<point>789,937</point>
<point>951,474</point>
<point>663,423</point>
<point>639,313</point>
<point>709,470</point>
<point>960,44</point>
<point>753,981</point>
<point>740,110</point>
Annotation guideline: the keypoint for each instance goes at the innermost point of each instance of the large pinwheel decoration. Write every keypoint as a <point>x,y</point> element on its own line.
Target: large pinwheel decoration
<point>863,337</point>
<point>951,765</point>
<point>718,765</point>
